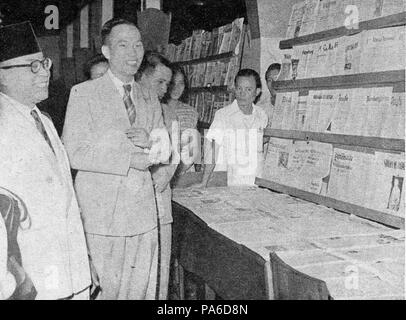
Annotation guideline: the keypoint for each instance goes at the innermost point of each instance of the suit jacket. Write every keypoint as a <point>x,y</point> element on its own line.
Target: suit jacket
<point>116,200</point>
<point>52,242</point>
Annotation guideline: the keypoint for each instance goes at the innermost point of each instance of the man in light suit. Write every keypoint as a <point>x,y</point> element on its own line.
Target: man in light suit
<point>34,166</point>
<point>107,135</point>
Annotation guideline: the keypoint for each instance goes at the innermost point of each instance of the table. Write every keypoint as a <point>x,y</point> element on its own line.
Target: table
<point>226,235</point>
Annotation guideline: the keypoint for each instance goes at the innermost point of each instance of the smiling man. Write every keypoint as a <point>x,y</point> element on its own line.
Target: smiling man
<point>35,168</point>
<point>236,133</point>
<point>107,135</point>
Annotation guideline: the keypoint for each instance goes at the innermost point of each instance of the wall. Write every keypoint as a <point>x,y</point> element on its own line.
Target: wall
<point>50,48</point>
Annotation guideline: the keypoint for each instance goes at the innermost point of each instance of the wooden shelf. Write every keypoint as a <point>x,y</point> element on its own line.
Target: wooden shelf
<point>377,216</point>
<point>394,78</point>
<point>394,20</point>
<point>339,139</point>
<point>206,59</point>
<point>213,89</point>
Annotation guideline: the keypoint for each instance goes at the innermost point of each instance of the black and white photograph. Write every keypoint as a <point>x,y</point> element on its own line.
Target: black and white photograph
<point>126,172</point>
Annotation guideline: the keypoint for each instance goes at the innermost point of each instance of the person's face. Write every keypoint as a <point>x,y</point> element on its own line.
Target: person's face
<point>159,80</point>
<point>99,69</point>
<point>271,77</point>
<point>246,91</point>
<point>178,86</point>
<point>124,50</point>
<point>21,83</point>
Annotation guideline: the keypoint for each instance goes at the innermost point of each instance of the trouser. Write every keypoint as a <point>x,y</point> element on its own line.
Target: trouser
<point>126,266</point>
<point>166,245</point>
<point>84,295</point>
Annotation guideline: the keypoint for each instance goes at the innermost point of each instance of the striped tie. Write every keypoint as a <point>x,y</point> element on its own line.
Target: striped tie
<point>129,105</point>
<point>41,128</point>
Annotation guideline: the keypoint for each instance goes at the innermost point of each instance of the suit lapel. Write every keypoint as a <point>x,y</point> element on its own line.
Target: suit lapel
<point>32,141</point>
<point>112,104</point>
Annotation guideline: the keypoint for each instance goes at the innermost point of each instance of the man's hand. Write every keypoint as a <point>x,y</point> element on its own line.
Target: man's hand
<point>139,137</point>
<point>140,161</point>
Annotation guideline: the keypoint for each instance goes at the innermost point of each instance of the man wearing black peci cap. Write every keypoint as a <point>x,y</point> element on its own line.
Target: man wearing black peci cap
<point>35,167</point>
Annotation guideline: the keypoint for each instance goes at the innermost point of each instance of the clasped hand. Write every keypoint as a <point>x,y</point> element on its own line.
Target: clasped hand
<point>139,137</point>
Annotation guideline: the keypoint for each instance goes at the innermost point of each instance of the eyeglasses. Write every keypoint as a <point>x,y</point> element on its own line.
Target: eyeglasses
<point>35,65</point>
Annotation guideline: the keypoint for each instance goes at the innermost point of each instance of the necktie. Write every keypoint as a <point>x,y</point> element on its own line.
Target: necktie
<point>41,128</point>
<point>129,105</point>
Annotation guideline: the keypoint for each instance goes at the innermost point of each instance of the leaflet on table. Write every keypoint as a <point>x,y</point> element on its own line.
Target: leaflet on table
<point>276,160</point>
<point>377,103</point>
<point>341,110</point>
<point>394,118</point>
<point>358,112</point>
<point>350,172</point>
<point>309,17</point>
<point>386,190</point>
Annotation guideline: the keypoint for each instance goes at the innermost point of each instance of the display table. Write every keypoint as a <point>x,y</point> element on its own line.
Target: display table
<point>226,235</point>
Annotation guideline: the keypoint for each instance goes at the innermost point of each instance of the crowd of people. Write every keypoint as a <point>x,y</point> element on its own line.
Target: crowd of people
<point>127,133</point>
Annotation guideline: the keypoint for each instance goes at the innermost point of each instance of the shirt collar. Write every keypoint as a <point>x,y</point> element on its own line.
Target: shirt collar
<point>22,108</point>
<point>236,109</point>
<point>118,83</point>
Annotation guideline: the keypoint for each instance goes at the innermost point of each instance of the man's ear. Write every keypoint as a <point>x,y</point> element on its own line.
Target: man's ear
<point>106,52</point>
<point>259,91</point>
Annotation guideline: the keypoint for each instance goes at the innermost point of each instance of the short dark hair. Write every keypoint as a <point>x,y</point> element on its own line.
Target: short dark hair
<point>249,73</point>
<point>96,59</point>
<point>150,61</point>
<point>272,66</point>
<point>109,25</point>
<point>176,69</point>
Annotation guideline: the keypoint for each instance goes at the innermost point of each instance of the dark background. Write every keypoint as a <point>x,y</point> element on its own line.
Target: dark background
<point>187,15</point>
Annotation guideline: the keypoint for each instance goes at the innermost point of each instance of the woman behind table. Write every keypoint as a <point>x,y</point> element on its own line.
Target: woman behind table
<point>154,76</point>
<point>174,104</point>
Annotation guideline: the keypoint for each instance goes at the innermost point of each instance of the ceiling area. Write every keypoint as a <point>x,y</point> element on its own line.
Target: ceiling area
<point>187,15</point>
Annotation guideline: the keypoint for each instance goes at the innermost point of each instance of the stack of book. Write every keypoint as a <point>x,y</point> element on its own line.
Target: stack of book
<point>367,51</point>
<point>311,16</point>
<point>376,112</point>
<point>204,44</point>
<point>214,73</point>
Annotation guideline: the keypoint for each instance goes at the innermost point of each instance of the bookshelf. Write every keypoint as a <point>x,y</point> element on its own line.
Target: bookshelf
<point>210,61</point>
<point>393,20</point>
<point>392,78</point>
<point>215,57</point>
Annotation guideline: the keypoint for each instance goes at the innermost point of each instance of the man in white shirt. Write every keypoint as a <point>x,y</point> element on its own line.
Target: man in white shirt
<point>236,133</point>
